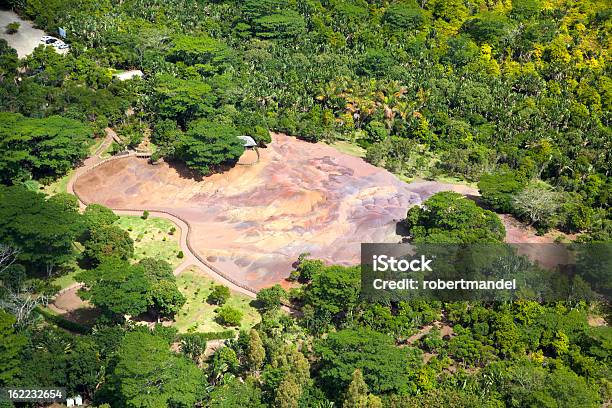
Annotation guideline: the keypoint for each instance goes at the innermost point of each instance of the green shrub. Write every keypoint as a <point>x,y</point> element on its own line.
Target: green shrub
<point>229,316</point>
<point>12,28</point>
<point>219,295</point>
<point>225,334</point>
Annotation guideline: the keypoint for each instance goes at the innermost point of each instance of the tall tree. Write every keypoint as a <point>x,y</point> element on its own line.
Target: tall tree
<point>449,217</point>
<point>118,287</point>
<point>166,297</point>
<point>44,231</point>
<point>148,374</point>
<point>334,291</point>
<point>357,394</point>
<point>108,241</point>
<point>386,368</point>
<point>181,99</point>
<point>207,145</point>
<point>288,393</point>
<point>256,353</point>
<point>38,148</point>
<point>11,344</point>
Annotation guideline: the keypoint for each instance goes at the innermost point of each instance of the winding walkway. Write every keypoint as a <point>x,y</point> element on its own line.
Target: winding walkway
<point>191,256</point>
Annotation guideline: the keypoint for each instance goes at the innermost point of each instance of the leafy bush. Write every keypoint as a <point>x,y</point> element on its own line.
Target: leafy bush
<point>219,295</point>
<point>271,298</point>
<point>12,28</point>
<point>208,145</point>
<point>497,190</point>
<point>229,316</point>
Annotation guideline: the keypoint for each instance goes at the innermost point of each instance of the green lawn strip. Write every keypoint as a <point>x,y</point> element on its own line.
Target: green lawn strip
<point>349,148</point>
<point>196,286</point>
<point>59,185</point>
<point>149,235</point>
<point>66,280</point>
<point>57,319</point>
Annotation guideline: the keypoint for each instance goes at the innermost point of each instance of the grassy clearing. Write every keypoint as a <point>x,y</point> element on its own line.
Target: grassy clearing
<point>151,244</point>
<point>65,281</point>
<point>420,172</point>
<point>152,238</point>
<point>349,148</point>
<point>60,185</point>
<point>456,180</point>
<point>196,286</point>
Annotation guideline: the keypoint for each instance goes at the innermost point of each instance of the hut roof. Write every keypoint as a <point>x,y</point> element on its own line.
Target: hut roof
<point>247,141</point>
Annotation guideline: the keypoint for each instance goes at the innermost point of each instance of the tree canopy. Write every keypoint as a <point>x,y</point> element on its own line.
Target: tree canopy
<point>43,230</point>
<point>207,145</point>
<point>38,148</point>
<point>449,217</point>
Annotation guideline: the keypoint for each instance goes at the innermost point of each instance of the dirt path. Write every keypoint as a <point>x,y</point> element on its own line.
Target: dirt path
<point>91,162</point>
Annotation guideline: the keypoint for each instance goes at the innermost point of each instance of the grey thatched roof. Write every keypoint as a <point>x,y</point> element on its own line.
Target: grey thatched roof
<point>248,141</point>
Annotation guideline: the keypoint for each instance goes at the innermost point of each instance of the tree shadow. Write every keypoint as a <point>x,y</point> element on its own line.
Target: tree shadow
<point>401,229</point>
<point>257,304</point>
<point>187,173</point>
<point>86,316</point>
<point>184,171</point>
<point>477,200</point>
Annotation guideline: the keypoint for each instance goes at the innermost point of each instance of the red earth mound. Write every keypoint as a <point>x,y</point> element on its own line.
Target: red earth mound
<point>252,222</point>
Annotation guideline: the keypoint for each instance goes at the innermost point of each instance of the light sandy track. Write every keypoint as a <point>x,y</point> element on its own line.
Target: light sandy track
<point>191,256</point>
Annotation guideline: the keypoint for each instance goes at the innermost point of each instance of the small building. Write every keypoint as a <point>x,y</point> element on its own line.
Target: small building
<point>76,401</point>
<point>248,142</point>
<point>127,75</point>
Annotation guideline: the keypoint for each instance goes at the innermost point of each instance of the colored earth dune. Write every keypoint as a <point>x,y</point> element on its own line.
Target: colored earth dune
<point>252,222</point>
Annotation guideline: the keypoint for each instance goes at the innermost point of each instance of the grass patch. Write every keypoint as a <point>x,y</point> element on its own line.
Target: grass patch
<point>66,280</point>
<point>349,148</point>
<point>196,286</point>
<point>58,186</point>
<point>152,238</point>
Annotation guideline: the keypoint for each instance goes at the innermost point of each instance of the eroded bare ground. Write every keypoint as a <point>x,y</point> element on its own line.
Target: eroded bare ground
<point>253,221</point>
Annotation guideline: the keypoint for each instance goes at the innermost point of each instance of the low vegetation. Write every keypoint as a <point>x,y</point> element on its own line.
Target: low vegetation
<point>203,303</point>
<point>153,238</point>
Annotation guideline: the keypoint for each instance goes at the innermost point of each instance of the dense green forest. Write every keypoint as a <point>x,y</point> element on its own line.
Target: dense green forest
<point>512,94</point>
<point>518,90</point>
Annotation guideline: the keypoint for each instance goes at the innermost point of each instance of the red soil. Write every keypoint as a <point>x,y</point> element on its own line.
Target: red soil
<point>252,222</point>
